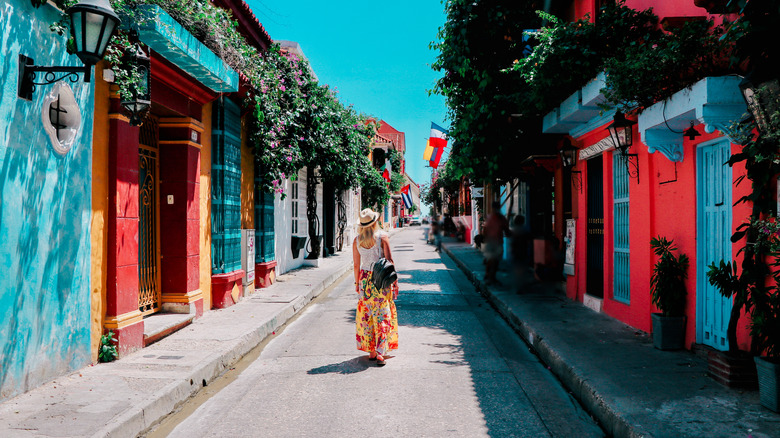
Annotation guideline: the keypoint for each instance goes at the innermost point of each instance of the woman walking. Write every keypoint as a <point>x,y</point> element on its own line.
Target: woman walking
<point>376,320</point>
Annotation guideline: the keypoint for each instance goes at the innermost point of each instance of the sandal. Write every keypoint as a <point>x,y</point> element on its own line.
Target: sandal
<point>372,358</point>
<point>380,362</point>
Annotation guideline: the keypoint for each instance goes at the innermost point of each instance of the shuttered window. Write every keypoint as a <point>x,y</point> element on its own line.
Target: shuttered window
<point>226,187</point>
<point>622,286</point>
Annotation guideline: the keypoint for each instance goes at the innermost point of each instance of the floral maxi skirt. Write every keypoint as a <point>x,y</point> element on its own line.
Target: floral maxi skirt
<point>376,320</point>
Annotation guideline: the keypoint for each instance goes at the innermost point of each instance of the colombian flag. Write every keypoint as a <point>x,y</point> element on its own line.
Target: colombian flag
<point>437,142</point>
<point>434,163</point>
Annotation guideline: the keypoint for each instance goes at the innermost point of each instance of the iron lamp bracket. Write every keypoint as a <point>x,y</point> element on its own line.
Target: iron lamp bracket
<point>28,74</point>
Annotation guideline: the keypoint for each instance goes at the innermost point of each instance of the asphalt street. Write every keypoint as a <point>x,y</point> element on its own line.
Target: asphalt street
<point>460,370</point>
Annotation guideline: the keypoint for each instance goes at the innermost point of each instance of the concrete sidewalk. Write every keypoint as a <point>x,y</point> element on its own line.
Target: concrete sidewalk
<point>633,389</point>
<point>126,397</point>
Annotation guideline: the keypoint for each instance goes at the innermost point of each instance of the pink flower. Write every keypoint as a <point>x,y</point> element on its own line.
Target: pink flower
<point>283,88</point>
<point>289,158</point>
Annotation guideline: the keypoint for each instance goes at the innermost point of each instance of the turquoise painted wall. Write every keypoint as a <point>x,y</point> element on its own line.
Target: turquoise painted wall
<point>45,210</point>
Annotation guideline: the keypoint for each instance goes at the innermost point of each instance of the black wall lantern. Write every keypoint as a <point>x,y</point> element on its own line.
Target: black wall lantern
<point>568,154</point>
<point>92,24</point>
<point>760,94</point>
<point>620,131</point>
<point>138,103</point>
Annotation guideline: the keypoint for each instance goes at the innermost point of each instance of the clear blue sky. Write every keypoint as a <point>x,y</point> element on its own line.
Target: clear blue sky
<point>376,54</point>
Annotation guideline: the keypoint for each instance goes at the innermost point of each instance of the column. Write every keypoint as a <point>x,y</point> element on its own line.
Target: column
<point>180,141</point>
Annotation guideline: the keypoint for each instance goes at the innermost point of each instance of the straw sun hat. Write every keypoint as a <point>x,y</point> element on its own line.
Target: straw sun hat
<point>368,217</point>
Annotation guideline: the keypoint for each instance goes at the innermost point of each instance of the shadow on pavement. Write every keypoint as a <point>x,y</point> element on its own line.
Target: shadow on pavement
<point>351,366</point>
<point>431,298</point>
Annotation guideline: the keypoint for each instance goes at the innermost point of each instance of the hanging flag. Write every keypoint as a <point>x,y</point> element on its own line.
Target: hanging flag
<point>406,196</point>
<point>436,141</point>
<point>435,159</point>
<point>387,171</point>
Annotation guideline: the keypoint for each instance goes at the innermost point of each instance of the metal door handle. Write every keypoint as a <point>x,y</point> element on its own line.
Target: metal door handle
<point>719,204</point>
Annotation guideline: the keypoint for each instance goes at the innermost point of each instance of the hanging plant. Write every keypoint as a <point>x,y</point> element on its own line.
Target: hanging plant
<point>652,70</point>
<point>294,121</point>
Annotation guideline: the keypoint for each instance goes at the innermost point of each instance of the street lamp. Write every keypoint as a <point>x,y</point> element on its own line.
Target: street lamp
<point>620,132</point>
<point>92,24</point>
<point>568,155</point>
<point>139,101</point>
<point>759,92</point>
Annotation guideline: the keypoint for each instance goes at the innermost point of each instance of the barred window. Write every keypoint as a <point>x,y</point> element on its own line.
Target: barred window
<point>294,203</point>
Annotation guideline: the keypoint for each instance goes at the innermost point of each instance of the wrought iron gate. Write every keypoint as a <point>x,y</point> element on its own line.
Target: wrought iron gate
<point>148,219</point>
<point>595,240</point>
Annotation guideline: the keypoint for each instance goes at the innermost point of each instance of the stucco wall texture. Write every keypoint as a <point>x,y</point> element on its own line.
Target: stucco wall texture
<point>45,215</point>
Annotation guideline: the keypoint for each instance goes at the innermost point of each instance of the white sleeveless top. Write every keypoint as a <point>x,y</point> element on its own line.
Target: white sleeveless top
<point>369,256</point>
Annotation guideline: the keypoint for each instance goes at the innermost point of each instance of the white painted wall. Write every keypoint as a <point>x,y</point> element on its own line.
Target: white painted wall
<point>283,224</point>
<point>352,202</point>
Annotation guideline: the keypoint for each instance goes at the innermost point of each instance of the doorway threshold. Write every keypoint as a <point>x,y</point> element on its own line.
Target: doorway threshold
<point>159,325</point>
<point>593,303</point>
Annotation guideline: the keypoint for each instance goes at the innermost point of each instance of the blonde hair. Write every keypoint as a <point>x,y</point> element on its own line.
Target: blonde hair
<point>367,235</point>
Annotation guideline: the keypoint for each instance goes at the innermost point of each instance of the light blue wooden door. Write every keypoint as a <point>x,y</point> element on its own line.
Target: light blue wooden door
<point>713,223</point>
<point>622,273</point>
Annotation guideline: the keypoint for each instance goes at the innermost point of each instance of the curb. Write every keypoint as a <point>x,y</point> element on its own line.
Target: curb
<point>140,419</point>
<point>612,422</point>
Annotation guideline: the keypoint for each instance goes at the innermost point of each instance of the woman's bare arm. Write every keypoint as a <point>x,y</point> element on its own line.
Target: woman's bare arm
<point>356,264</point>
<point>389,257</point>
<point>386,249</point>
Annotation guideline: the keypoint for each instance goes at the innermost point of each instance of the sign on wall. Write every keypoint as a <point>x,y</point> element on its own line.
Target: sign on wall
<point>248,255</point>
<point>569,239</point>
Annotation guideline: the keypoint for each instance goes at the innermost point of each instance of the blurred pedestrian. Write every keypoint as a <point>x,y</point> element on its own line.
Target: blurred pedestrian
<point>521,263</point>
<point>496,226</point>
<point>436,229</point>
<point>376,319</point>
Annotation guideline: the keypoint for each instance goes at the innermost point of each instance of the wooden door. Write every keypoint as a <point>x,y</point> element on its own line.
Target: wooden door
<point>713,240</point>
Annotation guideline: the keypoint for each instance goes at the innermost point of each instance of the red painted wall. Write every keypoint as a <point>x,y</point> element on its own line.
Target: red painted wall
<point>122,259</point>
<point>740,214</point>
<point>668,8</point>
<point>662,203</point>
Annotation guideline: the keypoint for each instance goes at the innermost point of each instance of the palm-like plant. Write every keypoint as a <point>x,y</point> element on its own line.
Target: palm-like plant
<point>667,283</point>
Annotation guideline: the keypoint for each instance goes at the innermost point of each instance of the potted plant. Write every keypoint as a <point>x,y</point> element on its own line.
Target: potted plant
<point>765,329</point>
<point>765,319</point>
<point>667,286</point>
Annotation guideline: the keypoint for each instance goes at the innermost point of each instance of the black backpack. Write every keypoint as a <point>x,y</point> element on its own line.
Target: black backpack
<point>383,274</point>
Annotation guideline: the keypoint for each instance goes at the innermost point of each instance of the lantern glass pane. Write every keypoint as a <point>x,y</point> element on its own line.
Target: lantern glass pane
<point>94,27</point>
<point>613,135</point>
<point>76,27</point>
<point>106,37</point>
<point>627,136</point>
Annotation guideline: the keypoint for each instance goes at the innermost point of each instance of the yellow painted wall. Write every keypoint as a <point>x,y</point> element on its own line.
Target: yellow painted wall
<point>247,187</point>
<point>99,230</point>
<point>205,208</point>
<point>247,180</point>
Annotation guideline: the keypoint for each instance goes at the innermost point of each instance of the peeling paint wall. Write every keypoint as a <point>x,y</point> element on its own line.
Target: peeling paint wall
<point>45,213</point>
